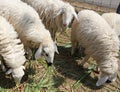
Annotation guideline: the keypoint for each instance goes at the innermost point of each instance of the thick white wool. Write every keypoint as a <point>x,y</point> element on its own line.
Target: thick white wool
<point>113,20</point>
<point>27,23</point>
<point>11,48</point>
<point>99,40</point>
<point>55,14</point>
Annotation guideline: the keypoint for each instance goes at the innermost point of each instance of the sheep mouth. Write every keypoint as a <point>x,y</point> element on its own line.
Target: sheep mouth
<point>108,81</point>
<point>49,63</point>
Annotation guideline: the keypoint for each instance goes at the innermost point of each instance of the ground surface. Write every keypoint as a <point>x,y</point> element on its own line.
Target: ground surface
<point>66,75</point>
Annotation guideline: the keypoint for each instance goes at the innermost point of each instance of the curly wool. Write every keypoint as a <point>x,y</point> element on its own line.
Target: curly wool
<point>50,11</point>
<point>11,48</point>
<point>25,20</point>
<point>28,25</point>
<point>113,19</point>
<point>11,51</point>
<point>99,40</point>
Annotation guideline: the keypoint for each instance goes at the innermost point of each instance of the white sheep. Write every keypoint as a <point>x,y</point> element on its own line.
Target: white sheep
<point>100,42</point>
<point>55,14</point>
<point>113,19</point>
<point>12,50</point>
<point>27,23</point>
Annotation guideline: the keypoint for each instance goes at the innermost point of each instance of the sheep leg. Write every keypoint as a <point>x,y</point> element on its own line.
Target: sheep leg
<point>28,53</point>
<point>0,60</point>
<point>54,38</point>
<point>53,35</point>
<point>97,70</point>
<point>74,47</point>
<point>81,51</point>
<point>85,60</point>
<point>3,67</point>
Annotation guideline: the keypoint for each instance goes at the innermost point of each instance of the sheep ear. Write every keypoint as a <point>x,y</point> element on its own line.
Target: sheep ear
<point>9,71</point>
<point>60,11</point>
<point>101,81</point>
<point>23,67</point>
<point>113,77</point>
<point>56,49</point>
<point>75,16</point>
<point>38,52</point>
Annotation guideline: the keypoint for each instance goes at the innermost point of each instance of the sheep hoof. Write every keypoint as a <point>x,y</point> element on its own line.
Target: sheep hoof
<point>28,56</point>
<point>17,84</point>
<point>83,62</point>
<point>97,70</point>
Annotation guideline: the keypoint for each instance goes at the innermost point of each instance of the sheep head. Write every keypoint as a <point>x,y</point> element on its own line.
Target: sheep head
<point>17,73</point>
<point>108,73</point>
<point>48,52</point>
<point>106,77</point>
<point>68,13</point>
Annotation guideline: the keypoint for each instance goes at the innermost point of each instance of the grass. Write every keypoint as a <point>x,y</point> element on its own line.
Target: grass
<point>64,76</point>
<point>90,69</point>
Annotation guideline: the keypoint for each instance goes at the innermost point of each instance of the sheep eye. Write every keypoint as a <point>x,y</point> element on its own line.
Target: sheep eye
<point>46,55</point>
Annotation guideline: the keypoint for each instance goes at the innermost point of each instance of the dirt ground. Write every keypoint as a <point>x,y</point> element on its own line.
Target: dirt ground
<point>81,5</point>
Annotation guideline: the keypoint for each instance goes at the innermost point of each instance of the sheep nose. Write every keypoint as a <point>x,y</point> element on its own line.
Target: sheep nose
<point>65,25</point>
<point>108,81</point>
<point>49,64</point>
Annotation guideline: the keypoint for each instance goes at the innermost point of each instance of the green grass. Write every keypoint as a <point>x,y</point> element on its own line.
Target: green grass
<point>90,69</point>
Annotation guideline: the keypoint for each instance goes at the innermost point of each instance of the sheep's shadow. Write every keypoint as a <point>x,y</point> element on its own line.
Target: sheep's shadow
<point>6,81</point>
<point>28,71</point>
<point>70,69</point>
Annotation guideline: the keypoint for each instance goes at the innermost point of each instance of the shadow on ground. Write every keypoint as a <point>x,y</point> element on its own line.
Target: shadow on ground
<point>67,66</point>
<point>6,81</point>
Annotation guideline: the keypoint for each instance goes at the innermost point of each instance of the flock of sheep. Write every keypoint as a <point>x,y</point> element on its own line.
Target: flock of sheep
<point>27,22</point>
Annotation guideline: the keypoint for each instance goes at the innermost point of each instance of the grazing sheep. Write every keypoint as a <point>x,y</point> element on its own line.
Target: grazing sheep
<point>12,50</point>
<point>113,19</point>
<point>27,23</point>
<point>55,14</point>
<point>101,43</point>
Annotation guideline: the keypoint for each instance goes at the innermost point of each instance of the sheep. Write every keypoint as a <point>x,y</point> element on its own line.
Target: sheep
<point>55,14</point>
<point>11,50</point>
<point>29,26</point>
<point>101,43</point>
<point>113,19</point>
